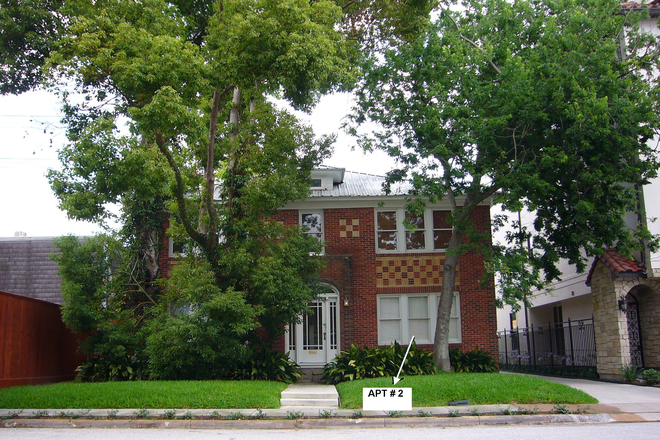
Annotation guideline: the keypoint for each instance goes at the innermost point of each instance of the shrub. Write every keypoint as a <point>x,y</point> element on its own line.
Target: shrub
<point>475,361</point>
<point>267,364</point>
<point>101,369</point>
<point>651,377</point>
<point>360,363</point>
<point>630,372</point>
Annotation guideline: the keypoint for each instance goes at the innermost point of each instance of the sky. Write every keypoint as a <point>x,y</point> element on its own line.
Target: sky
<point>31,135</point>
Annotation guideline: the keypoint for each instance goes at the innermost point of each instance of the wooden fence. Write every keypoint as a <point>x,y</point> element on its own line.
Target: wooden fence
<point>35,346</point>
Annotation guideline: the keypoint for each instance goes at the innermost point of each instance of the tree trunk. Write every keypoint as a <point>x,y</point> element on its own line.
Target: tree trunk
<point>441,341</point>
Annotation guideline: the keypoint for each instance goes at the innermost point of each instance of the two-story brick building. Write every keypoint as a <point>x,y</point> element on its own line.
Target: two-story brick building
<point>383,281</point>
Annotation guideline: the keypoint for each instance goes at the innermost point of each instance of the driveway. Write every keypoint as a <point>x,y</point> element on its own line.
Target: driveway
<point>612,393</point>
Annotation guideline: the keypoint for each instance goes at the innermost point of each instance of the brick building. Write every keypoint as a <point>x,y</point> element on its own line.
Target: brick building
<point>382,281</point>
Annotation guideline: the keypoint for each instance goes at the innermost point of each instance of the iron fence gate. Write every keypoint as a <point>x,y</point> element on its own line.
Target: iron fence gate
<point>565,348</point>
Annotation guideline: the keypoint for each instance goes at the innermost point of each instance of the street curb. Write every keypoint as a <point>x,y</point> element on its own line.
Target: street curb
<point>364,423</point>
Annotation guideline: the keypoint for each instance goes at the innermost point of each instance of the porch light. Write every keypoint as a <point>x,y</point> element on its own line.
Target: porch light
<point>346,301</point>
<point>623,304</point>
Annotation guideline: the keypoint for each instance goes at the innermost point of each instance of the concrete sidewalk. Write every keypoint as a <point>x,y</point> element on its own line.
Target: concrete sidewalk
<point>623,400</point>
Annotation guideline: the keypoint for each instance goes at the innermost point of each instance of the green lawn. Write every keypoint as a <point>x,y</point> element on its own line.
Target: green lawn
<point>479,389</point>
<point>145,394</point>
<point>436,390</point>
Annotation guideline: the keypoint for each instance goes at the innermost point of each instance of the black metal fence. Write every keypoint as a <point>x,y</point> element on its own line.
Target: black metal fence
<point>566,348</point>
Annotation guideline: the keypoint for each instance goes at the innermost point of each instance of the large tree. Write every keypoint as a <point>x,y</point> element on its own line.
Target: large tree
<point>528,104</point>
<point>171,106</point>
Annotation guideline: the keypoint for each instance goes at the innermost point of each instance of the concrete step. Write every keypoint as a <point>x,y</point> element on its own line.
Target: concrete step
<point>313,403</point>
<point>310,395</point>
<point>312,375</point>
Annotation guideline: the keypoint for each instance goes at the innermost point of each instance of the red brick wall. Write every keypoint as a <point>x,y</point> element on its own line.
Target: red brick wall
<point>351,266</point>
<point>478,312</point>
<point>358,318</point>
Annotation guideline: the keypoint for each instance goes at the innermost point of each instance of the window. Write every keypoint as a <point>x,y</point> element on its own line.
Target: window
<point>176,248</point>
<point>416,238</point>
<point>387,230</point>
<point>402,316</point>
<point>317,184</point>
<point>312,224</point>
<point>441,230</point>
<point>392,234</point>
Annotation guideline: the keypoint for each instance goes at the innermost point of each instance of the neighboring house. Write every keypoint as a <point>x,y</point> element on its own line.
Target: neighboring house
<point>35,346</point>
<point>621,295</point>
<point>382,282</point>
<point>26,268</point>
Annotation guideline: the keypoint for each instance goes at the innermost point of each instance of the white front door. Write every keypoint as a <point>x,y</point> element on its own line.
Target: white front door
<point>315,340</point>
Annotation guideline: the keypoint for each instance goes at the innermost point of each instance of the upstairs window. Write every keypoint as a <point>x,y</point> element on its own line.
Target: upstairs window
<point>398,230</point>
<point>312,224</point>
<point>387,234</point>
<point>416,237</point>
<point>441,230</point>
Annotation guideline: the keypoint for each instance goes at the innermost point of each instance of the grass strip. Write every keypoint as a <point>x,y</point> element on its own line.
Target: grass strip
<point>478,388</point>
<point>145,394</point>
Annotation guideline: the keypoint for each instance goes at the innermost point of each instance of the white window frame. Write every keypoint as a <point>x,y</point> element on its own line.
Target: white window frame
<point>170,250</point>
<point>326,183</point>
<point>401,247</point>
<point>314,211</point>
<point>433,300</point>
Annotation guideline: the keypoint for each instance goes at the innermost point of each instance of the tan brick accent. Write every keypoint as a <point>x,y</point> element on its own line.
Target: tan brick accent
<point>349,229</point>
<point>409,271</point>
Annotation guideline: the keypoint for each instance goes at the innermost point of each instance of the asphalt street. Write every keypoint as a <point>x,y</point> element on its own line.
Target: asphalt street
<point>611,431</point>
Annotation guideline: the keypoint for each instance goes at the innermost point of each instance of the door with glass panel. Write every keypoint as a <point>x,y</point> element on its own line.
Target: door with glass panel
<point>315,340</point>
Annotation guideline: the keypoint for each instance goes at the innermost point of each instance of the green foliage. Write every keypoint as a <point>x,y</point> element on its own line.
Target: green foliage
<point>99,302</point>
<point>474,361</point>
<point>651,376</point>
<point>359,363</point>
<point>531,105</point>
<point>169,113</point>
<point>29,31</point>
<point>199,329</point>
<point>100,369</point>
<point>561,409</point>
<point>267,364</point>
<point>630,372</point>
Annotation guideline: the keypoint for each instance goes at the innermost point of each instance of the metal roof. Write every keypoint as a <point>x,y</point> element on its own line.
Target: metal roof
<point>359,185</point>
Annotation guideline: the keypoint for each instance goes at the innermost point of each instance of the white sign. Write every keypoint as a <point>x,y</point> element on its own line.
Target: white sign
<point>387,399</point>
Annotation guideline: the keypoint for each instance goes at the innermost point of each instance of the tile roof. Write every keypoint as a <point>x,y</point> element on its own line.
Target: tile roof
<point>359,185</point>
<point>619,265</point>
<point>638,5</point>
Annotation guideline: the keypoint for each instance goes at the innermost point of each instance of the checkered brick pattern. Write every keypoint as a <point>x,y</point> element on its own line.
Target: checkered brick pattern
<point>349,229</point>
<point>409,271</point>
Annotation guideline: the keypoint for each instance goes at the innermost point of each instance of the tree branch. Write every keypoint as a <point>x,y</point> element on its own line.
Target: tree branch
<point>475,45</point>
<point>180,192</point>
<point>209,172</point>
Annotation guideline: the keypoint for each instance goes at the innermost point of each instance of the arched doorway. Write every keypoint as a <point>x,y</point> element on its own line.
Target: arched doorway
<point>643,303</point>
<point>314,340</point>
<point>634,329</point>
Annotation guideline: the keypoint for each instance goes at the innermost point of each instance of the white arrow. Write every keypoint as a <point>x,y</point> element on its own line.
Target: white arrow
<point>396,379</point>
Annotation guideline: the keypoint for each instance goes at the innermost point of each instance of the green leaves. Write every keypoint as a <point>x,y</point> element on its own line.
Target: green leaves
<point>291,47</point>
<point>529,99</point>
